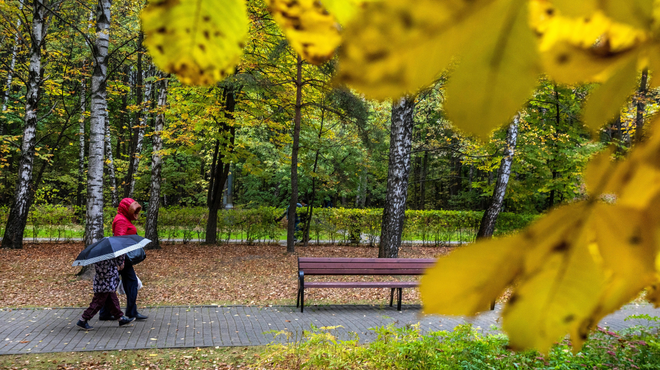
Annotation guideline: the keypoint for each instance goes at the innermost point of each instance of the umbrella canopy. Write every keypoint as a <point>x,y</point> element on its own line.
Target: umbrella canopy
<point>108,248</point>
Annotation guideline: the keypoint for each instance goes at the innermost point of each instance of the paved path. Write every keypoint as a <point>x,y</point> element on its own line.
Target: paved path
<point>54,330</point>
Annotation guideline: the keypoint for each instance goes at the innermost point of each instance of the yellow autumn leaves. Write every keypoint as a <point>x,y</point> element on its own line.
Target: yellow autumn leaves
<point>575,265</point>
<point>571,268</point>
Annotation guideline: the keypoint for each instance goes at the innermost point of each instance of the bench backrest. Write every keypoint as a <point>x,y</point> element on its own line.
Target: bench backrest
<point>364,266</point>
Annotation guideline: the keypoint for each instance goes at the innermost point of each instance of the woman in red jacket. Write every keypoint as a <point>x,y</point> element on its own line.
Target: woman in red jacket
<point>128,210</point>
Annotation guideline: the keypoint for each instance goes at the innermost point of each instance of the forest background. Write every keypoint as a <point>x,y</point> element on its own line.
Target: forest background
<point>244,125</point>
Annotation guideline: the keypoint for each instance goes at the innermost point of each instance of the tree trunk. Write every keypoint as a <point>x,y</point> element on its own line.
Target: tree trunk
<point>221,172</point>
<point>18,214</point>
<point>422,180</point>
<point>136,140</point>
<point>139,138</point>
<point>398,171</point>
<point>94,224</point>
<point>151,227</point>
<point>487,226</point>
<point>293,203</point>
<point>111,164</point>
<point>12,65</point>
<point>81,141</point>
<point>641,106</point>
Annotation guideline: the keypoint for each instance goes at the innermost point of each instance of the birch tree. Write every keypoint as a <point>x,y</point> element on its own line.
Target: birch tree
<point>139,136</point>
<point>489,218</point>
<point>99,116</point>
<point>403,111</point>
<point>12,65</point>
<point>151,227</point>
<point>13,237</point>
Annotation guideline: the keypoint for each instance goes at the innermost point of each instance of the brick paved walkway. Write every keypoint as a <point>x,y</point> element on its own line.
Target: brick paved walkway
<point>54,330</point>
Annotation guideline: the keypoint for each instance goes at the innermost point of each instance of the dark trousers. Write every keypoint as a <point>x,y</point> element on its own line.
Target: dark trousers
<point>100,301</point>
<point>129,280</point>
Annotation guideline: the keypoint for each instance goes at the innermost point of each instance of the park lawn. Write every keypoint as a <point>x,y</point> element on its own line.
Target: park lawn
<point>221,358</point>
<point>41,275</point>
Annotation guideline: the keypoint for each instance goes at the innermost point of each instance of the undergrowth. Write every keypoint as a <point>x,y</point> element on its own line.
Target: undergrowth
<point>463,348</point>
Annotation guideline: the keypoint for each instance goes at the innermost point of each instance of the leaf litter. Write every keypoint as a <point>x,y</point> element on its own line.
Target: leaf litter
<point>41,275</point>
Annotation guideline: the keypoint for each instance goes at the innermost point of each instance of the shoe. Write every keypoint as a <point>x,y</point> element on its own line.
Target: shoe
<point>84,324</point>
<point>141,317</point>
<point>125,320</point>
<point>107,318</point>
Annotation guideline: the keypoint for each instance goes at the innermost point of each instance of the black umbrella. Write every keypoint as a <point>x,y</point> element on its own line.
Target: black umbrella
<point>108,248</point>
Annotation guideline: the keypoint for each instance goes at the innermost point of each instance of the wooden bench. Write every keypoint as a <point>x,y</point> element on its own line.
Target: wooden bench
<point>359,266</point>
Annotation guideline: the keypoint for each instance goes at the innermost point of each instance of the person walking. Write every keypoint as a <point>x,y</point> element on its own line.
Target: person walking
<point>128,211</point>
<point>105,286</point>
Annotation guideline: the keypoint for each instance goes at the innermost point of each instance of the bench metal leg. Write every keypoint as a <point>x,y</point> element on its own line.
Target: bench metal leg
<point>398,306</point>
<point>302,300</point>
<point>492,305</point>
<point>298,298</point>
<point>392,296</point>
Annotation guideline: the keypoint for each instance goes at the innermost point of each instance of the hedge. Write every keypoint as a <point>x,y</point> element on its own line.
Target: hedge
<point>337,225</point>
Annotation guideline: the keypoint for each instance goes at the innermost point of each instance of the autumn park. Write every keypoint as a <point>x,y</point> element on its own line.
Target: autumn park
<point>329,184</point>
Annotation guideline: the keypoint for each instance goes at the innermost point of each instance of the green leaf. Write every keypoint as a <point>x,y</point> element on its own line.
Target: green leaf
<point>200,41</point>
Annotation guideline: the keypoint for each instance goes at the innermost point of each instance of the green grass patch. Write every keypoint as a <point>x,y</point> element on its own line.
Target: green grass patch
<point>463,348</point>
<point>189,358</point>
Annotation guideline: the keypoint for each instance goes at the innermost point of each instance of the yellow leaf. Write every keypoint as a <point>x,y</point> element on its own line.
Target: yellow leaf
<point>599,168</point>
<point>627,246</point>
<point>311,30</point>
<point>638,13</point>
<point>606,102</point>
<point>554,300</point>
<point>470,278</point>
<point>199,41</point>
<point>343,10</point>
<point>497,73</point>
<point>573,8</point>
<point>396,47</point>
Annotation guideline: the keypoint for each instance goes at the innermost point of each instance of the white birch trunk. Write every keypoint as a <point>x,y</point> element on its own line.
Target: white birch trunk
<point>487,227</point>
<point>18,214</point>
<point>394,212</point>
<point>81,126</point>
<point>12,64</point>
<point>94,224</point>
<point>111,164</point>
<point>151,227</point>
<point>144,117</point>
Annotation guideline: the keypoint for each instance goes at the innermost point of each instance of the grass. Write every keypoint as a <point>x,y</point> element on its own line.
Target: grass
<point>195,358</point>
<point>463,348</point>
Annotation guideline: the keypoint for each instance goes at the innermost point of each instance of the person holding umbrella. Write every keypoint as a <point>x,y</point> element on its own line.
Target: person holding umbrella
<point>105,286</point>
<point>128,211</point>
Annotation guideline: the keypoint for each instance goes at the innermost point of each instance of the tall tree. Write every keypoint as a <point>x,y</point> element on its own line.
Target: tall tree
<point>136,138</point>
<point>641,105</point>
<point>99,115</point>
<point>394,212</point>
<point>18,214</point>
<point>489,218</point>
<point>220,167</point>
<point>291,226</point>
<point>12,65</point>
<point>151,227</point>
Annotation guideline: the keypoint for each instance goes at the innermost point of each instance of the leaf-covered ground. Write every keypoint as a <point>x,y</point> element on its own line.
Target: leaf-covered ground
<point>41,275</point>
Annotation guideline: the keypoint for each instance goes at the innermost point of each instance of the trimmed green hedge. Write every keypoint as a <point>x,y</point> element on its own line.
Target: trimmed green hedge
<point>337,225</point>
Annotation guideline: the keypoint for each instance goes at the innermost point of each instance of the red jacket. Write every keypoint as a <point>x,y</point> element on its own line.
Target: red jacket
<point>122,225</point>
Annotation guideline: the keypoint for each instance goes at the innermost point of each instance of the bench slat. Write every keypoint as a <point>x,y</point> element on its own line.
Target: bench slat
<point>341,265</point>
<point>366,284</point>
<point>363,271</point>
